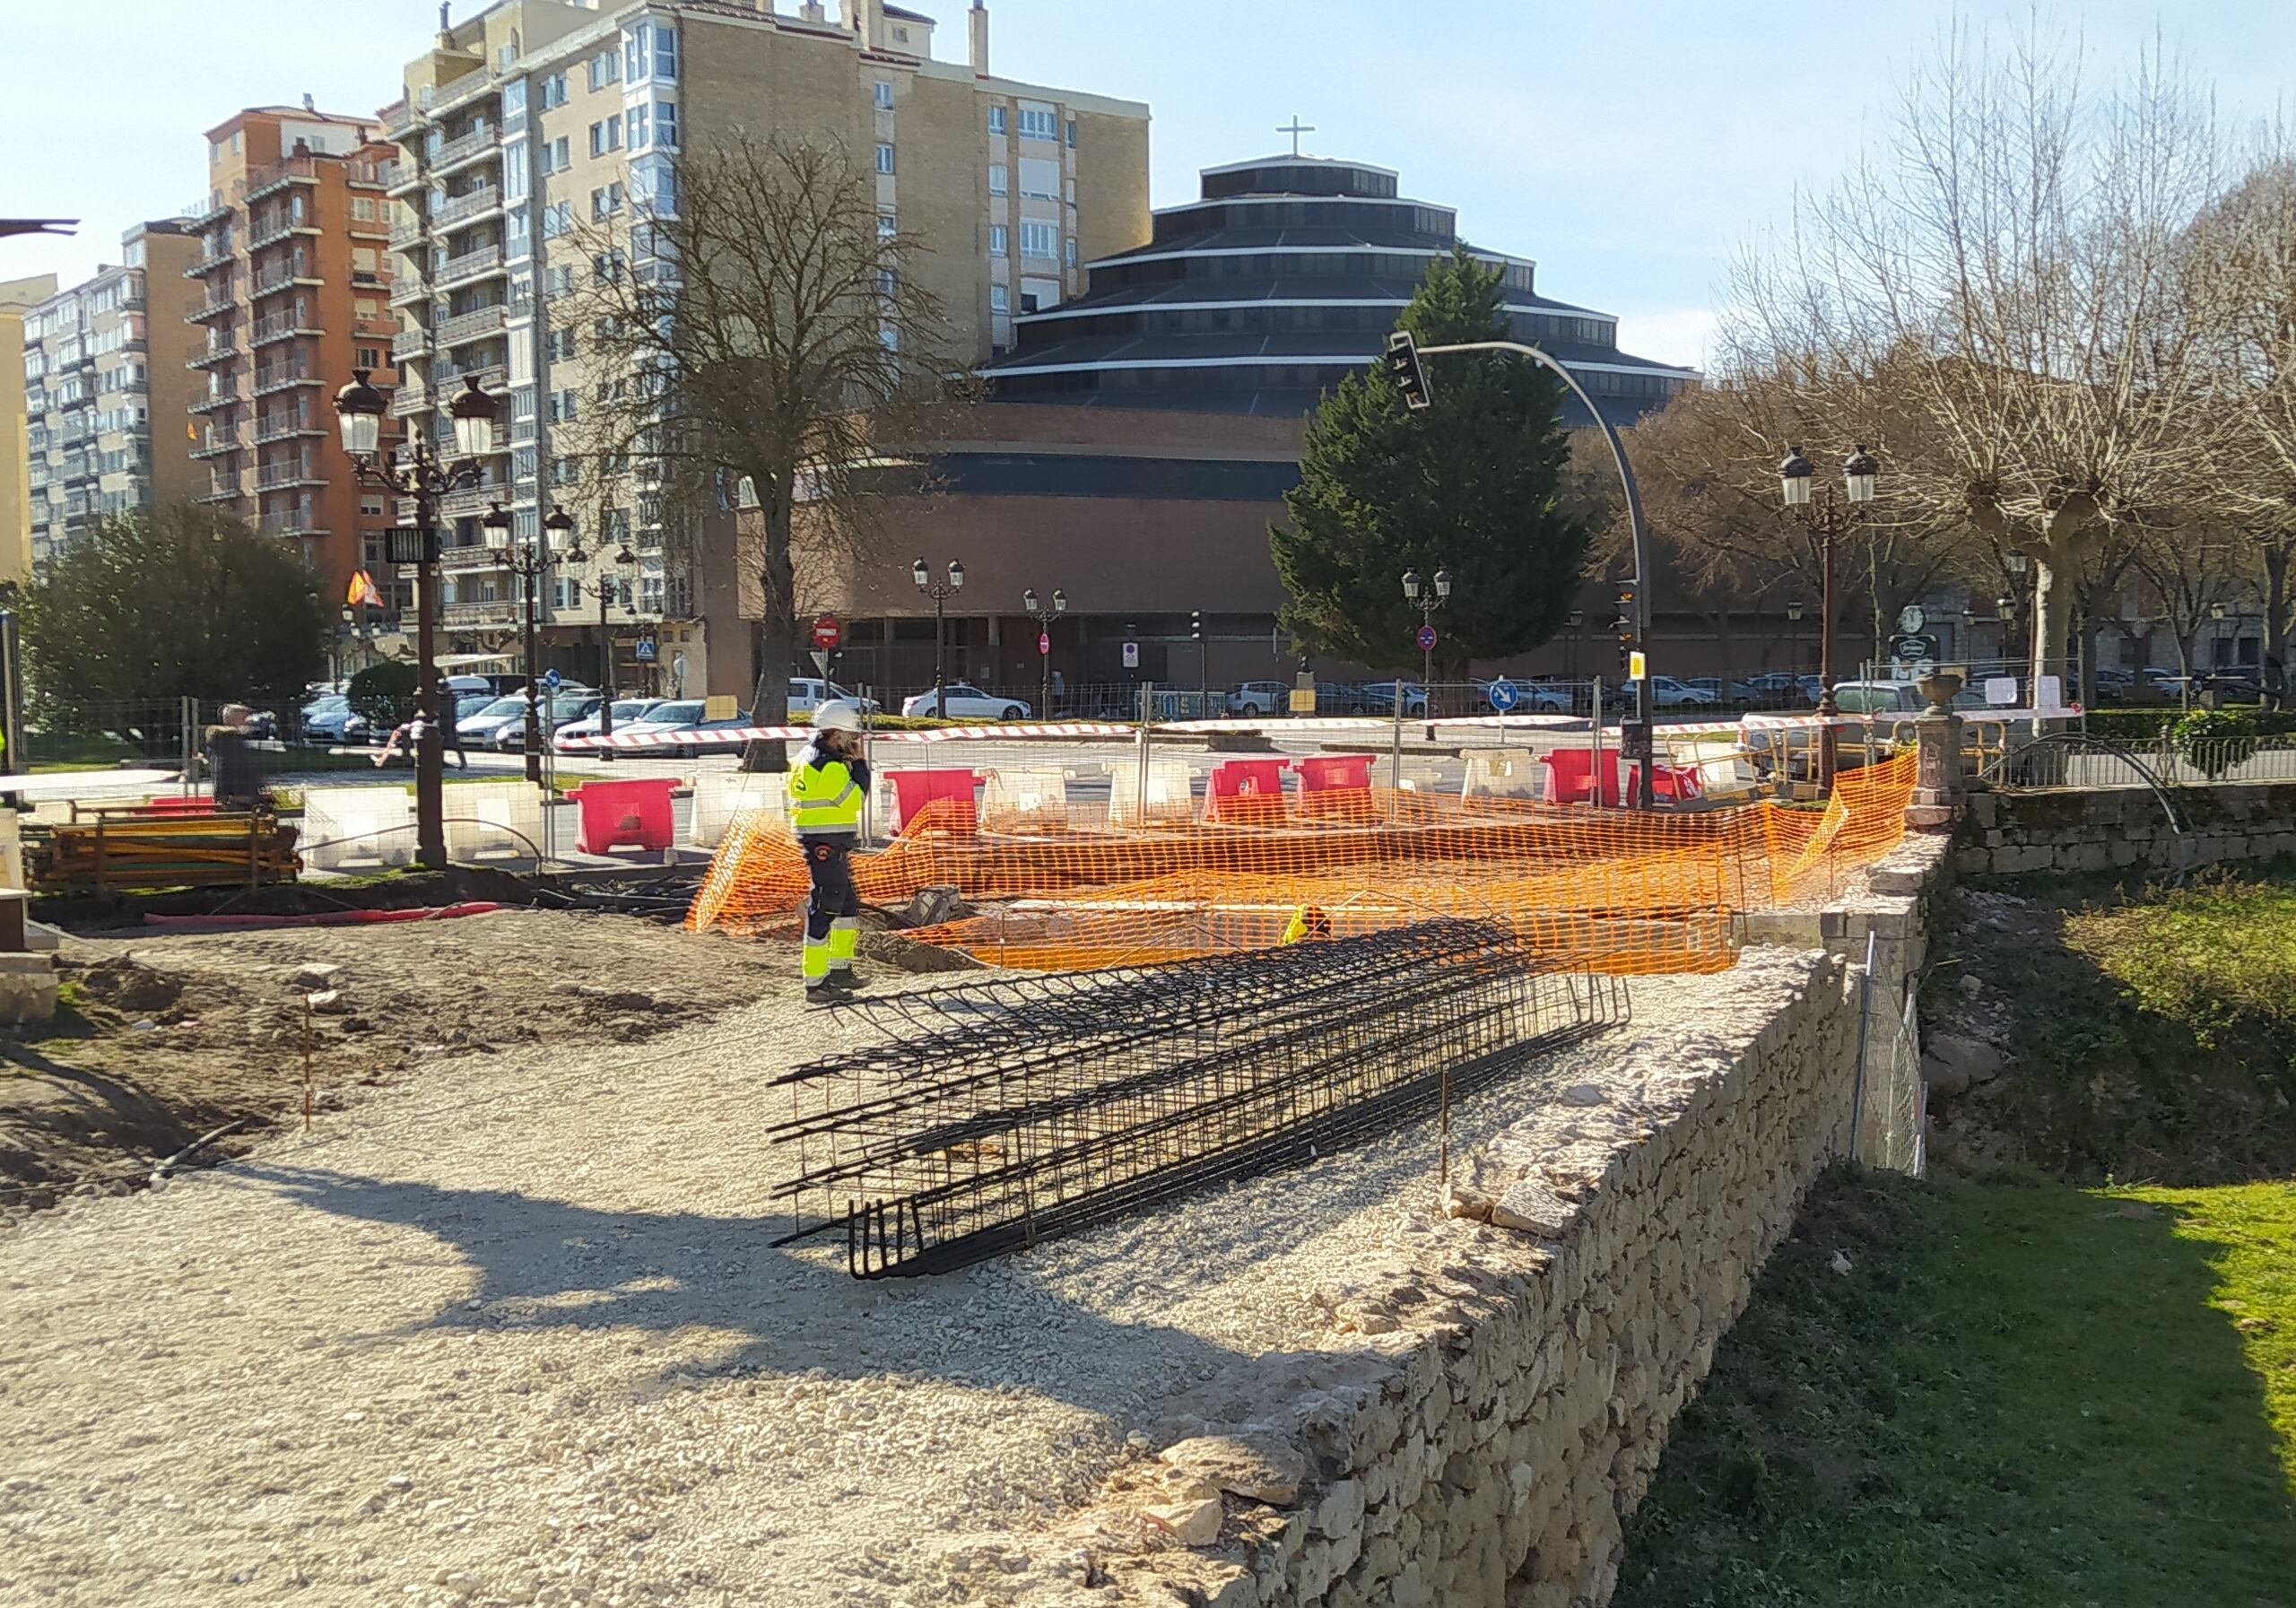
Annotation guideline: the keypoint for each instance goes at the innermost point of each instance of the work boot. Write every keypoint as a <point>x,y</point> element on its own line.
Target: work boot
<point>841,980</point>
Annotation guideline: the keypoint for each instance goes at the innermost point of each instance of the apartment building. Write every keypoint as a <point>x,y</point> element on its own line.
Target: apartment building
<point>18,297</point>
<point>292,292</point>
<point>106,388</point>
<point>538,116</point>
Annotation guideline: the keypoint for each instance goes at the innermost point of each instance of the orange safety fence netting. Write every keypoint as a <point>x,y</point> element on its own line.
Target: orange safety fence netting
<point>1624,890</point>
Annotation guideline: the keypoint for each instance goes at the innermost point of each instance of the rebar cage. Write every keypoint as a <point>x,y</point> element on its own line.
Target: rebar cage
<point>996,1115</point>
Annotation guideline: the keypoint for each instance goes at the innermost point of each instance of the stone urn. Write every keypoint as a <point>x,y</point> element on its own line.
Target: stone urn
<point>1939,687</point>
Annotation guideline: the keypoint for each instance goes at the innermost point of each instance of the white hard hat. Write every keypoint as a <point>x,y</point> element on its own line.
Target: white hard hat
<point>836,715</point>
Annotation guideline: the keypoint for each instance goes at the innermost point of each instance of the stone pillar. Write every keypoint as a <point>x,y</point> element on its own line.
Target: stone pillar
<point>1937,767</point>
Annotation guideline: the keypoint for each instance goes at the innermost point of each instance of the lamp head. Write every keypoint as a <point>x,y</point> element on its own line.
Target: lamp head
<point>1794,477</point>
<point>359,409</point>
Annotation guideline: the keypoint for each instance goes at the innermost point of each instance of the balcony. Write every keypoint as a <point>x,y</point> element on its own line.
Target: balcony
<point>281,326</point>
<point>220,300</point>
<point>221,257</point>
<point>279,275</point>
<point>460,209</point>
<point>413,341</point>
<point>277,176</point>
<point>295,523</point>
<point>472,500</point>
<point>410,398</point>
<point>406,233</point>
<point>476,325</point>
<point>492,379</point>
<point>214,400</point>
<point>272,233</point>
<point>280,376</point>
<point>216,443</point>
<point>405,179</point>
<point>479,142</point>
<point>409,288</point>
<point>219,351</point>
<point>270,476</point>
<point>205,210</point>
<point>282,427</point>
<point>470,615</point>
<point>398,117</point>
<point>469,265</point>
<point>476,556</point>
<point>221,488</point>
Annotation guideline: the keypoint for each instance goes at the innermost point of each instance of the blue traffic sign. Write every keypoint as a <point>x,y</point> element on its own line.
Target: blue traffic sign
<point>553,680</point>
<point>1427,638</point>
<point>1503,696</point>
<point>645,650</point>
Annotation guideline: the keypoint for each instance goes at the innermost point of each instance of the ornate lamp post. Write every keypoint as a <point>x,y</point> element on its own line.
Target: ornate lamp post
<point>1429,600</point>
<point>529,558</point>
<point>607,586</point>
<point>420,474</point>
<point>1044,618</point>
<point>1794,618</point>
<point>940,593</point>
<point>1828,518</point>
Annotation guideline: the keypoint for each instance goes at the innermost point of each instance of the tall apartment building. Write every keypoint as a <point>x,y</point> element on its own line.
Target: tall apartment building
<point>106,387</point>
<point>18,297</point>
<point>293,293</point>
<point>538,114</point>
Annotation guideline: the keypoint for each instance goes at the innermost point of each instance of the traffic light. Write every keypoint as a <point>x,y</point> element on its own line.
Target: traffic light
<point>1624,627</point>
<point>1403,369</point>
<point>1196,625</point>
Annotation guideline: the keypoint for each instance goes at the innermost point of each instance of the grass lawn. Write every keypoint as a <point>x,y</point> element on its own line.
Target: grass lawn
<point>2019,1396</point>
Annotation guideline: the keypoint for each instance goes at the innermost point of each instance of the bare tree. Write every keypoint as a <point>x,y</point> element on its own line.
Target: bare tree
<point>2244,272</point>
<point>2008,269</point>
<point>758,307</point>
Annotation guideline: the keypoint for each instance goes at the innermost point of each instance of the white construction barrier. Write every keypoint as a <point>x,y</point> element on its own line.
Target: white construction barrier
<point>1026,798</point>
<point>357,828</point>
<point>1509,773</point>
<point>720,795</point>
<point>493,821</point>
<point>1167,800</point>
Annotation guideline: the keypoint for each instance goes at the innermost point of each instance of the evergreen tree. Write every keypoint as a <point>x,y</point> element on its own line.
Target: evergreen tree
<point>1473,484</point>
<point>180,602</point>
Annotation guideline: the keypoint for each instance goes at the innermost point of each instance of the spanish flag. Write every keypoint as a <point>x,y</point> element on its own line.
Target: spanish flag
<point>362,590</point>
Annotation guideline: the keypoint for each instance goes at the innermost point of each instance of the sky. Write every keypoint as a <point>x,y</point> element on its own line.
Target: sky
<point>1629,146</point>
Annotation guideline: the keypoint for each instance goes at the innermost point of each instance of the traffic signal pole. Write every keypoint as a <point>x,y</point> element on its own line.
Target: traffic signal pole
<point>1403,367</point>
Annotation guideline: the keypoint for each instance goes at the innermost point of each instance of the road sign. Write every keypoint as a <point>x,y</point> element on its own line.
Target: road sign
<point>646,650</point>
<point>1044,642</point>
<point>1132,655</point>
<point>828,633</point>
<point>1503,696</point>
<point>1912,647</point>
<point>1637,666</point>
<point>820,663</point>
<point>403,545</point>
<point>1634,739</point>
<point>1427,638</point>
<point>553,680</point>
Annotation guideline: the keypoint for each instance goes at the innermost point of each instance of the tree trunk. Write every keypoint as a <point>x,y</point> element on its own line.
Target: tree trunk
<point>777,642</point>
<point>2052,614</point>
<point>2087,690</point>
<point>2275,624</point>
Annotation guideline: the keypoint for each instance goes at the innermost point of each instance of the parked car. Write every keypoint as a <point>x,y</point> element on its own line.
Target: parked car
<point>684,715</point>
<point>808,692</point>
<point>967,702</point>
<point>555,711</point>
<point>627,711</point>
<point>1260,697</point>
<point>484,728</point>
<point>1667,692</point>
<point>1380,699</point>
<point>1343,697</point>
<point>332,720</point>
<point>1711,685</point>
<point>499,685</point>
<point>1894,698</point>
<point>1531,697</point>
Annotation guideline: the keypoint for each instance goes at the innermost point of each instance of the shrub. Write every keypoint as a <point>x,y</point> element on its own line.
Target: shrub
<point>2213,741</point>
<point>383,693</point>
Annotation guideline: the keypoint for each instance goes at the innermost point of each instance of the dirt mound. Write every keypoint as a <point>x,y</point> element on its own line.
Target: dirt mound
<point>125,984</point>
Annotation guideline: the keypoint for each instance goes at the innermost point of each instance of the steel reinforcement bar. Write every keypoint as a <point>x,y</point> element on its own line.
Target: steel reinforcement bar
<point>1001,1115</point>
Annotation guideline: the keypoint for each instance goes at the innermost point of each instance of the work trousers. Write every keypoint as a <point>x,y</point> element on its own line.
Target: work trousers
<point>832,911</point>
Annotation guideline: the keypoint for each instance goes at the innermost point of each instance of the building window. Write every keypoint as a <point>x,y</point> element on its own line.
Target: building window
<point>606,201</point>
<point>605,135</point>
<point>1039,124</point>
<point>1069,247</point>
<point>637,52</point>
<point>886,283</point>
<point>1040,239</point>
<point>999,241</point>
<point>550,93</point>
<point>564,406</point>
<point>884,94</point>
<point>1000,300</point>
<point>999,180</point>
<point>369,358</point>
<point>559,344</point>
<point>362,209</point>
<point>606,267</point>
<point>556,218</point>
<point>665,125</point>
<point>555,156</point>
<point>1040,178</point>
<point>887,227</point>
<point>640,135</point>
<point>889,337</point>
<point>371,508</point>
<point>1071,134</point>
<point>997,125</point>
<point>666,54</point>
<point>885,158</point>
<point>605,68</point>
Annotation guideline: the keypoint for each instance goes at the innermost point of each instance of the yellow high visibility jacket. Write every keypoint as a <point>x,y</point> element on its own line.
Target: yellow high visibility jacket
<point>826,796</point>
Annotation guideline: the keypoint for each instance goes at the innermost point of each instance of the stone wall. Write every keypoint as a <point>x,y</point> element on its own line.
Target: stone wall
<point>2115,828</point>
<point>1501,1394</point>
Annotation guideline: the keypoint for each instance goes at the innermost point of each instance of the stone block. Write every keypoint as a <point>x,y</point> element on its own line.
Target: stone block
<point>27,987</point>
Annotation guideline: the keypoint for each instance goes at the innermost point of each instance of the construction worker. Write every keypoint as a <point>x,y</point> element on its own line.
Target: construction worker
<point>828,785</point>
<point>1308,921</point>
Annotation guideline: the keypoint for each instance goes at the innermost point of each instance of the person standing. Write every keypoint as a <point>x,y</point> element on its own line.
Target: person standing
<point>828,783</point>
<point>231,761</point>
<point>446,709</point>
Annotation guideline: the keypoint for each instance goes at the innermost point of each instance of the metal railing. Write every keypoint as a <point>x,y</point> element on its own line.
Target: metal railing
<point>470,204</point>
<point>473,326</point>
<point>2096,764</point>
<point>469,265</point>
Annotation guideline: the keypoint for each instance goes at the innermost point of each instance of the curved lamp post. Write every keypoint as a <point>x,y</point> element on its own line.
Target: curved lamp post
<point>1044,618</point>
<point>1828,517</point>
<point>940,593</point>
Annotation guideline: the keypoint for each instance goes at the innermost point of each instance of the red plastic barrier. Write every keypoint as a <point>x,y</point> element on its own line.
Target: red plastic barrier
<point>178,804</point>
<point>1246,791</point>
<point>1335,784</point>
<point>330,917</point>
<point>1570,777</point>
<point>632,814</point>
<point>915,789</point>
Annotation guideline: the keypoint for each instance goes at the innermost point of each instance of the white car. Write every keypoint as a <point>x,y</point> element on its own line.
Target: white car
<point>626,711</point>
<point>1260,697</point>
<point>966,702</point>
<point>806,693</point>
<point>1667,693</point>
<point>485,729</point>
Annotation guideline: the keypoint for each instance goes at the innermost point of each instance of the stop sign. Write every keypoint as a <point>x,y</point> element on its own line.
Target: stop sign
<point>827,632</point>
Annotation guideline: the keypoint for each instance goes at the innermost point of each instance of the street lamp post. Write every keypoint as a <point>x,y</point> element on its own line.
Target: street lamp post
<point>1428,599</point>
<point>940,593</point>
<point>529,558</point>
<point>1575,620</point>
<point>423,476</point>
<point>1794,618</point>
<point>605,588</point>
<point>1044,618</point>
<point>1828,518</point>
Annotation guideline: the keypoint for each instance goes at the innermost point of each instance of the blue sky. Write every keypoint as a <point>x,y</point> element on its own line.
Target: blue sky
<point>1628,146</point>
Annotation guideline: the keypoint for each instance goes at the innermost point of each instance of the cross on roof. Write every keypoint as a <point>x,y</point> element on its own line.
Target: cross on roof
<point>1296,130</point>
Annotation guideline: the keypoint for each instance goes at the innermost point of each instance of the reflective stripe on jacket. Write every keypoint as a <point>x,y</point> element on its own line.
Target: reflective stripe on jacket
<point>825,796</point>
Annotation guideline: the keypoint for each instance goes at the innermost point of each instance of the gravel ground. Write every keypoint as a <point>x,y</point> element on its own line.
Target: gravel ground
<point>511,1332</point>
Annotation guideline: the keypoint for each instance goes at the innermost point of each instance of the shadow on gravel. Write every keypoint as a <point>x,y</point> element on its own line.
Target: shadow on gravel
<point>548,1263</point>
